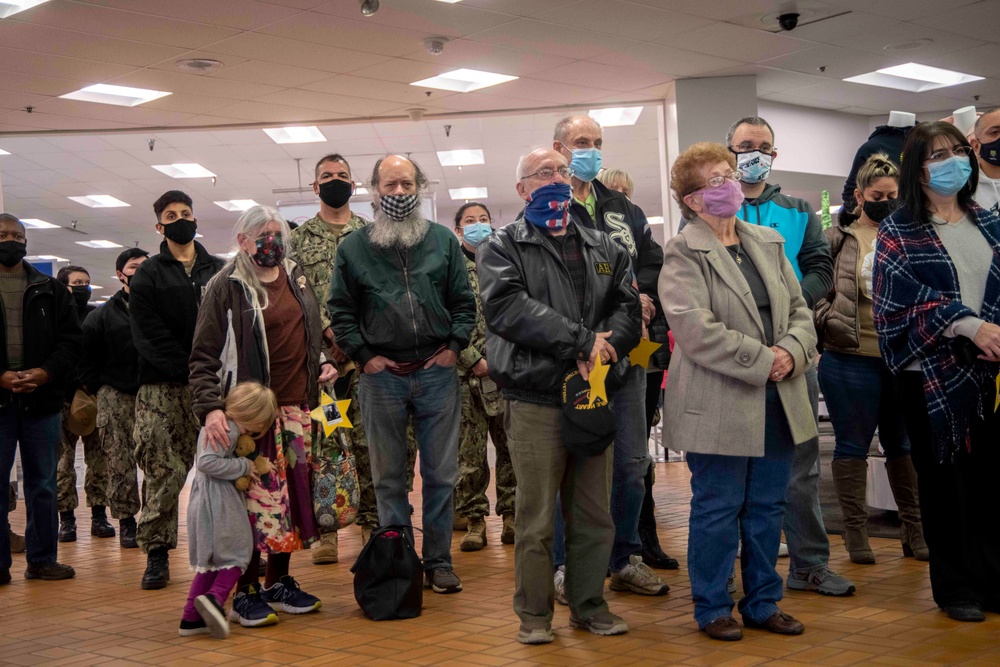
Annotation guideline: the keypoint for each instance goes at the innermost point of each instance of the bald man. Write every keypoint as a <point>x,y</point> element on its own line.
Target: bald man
<point>556,296</point>
<point>401,309</point>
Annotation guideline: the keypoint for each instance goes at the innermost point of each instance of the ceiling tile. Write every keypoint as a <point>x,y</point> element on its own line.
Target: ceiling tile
<point>521,7</point>
<point>198,84</point>
<point>838,63</point>
<point>253,71</point>
<point>583,73</point>
<point>261,112</point>
<point>44,64</point>
<point>729,41</point>
<point>43,39</point>
<point>977,19</point>
<point>910,9</point>
<point>374,89</point>
<point>427,16</point>
<point>981,61</point>
<point>490,57</point>
<point>625,19</point>
<point>355,35</point>
<point>239,14</point>
<point>545,37</point>
<point>404,71</point>
<point>348,106</point>
<point>295,53</point>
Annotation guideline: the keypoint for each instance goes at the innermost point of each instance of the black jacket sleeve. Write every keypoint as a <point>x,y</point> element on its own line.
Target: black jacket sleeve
<point>95,353</point>
<point>61,362</point>
<point>625,318</point>
<point>815,262</point>
<point>153,338</point>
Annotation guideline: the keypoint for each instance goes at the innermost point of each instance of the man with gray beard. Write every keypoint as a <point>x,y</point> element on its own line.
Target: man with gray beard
<point>401,308</point>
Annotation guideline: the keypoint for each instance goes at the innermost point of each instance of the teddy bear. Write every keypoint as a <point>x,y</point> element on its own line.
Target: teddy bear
<point>245,447</point>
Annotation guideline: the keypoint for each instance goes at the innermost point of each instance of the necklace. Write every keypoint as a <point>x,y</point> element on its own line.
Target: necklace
<point>735,252</point>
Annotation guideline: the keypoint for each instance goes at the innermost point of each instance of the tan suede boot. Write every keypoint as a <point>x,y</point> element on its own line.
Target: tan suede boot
<point>850,479</point>
<point>324,551</point>
<point>903,481</point>
<point>475,539</point>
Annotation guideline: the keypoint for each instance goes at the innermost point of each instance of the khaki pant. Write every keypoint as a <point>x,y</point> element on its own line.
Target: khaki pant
<point>116,418</point>
<point>544,466</point>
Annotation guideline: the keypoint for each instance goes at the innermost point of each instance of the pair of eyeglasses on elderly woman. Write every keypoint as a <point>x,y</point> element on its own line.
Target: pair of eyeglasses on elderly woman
<point>945,153</point>
<point>719,181</point>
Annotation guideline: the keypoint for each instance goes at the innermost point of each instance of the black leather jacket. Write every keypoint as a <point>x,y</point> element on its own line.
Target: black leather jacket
<point>534,328</point>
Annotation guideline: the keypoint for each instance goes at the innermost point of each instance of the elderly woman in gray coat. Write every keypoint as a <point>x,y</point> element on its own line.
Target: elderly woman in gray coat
<point>736,400</point>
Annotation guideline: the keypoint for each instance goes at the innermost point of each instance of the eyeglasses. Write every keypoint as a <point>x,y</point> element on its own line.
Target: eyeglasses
<point>748,147</point>
<point>546,174</point>
<point>719,181</point>
<point>945,153</point>
<point>13,236</point>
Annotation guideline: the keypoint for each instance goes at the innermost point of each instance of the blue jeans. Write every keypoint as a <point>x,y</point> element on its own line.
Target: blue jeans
<point>860,396</point>
<point>432,396</point>
<point>631,459</point>
<point>739,495</point>
<point>808,544</point>
<point>40,441</point>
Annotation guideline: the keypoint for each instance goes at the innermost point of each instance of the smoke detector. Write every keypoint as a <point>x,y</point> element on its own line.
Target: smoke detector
<point>435,45</point>
<point>198,65</point>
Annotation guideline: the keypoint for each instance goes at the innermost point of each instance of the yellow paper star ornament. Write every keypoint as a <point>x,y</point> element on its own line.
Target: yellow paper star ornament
<point>639,356</point>
<point>331,414</point>
<point>597,377</point>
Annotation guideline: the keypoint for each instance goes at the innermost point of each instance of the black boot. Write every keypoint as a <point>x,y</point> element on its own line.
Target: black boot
<point>126,536</point>
<point>652,554</point>
<point>157,572</point>
<point>99,524</point>
<point>67,526</point>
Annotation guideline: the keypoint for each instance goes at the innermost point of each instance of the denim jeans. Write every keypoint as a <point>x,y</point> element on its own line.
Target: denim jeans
<point>631,459</point>
<point>39,437</point>
<point>808,544</point>
<point>739,495</point>
<point>861,397</point>
<point>432,396</point>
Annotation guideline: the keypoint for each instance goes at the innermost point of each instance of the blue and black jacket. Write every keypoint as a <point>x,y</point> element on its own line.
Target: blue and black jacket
<point>805,245</point>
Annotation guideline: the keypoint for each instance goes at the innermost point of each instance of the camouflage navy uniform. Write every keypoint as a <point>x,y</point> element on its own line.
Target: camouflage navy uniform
<point>116,419</point>
<point>95,480</point>
<point>482,413</point>
<point>314,249</point>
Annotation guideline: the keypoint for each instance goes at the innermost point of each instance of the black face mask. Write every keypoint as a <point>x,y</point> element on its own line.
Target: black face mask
<point>991,152</point>
<point>880,210</point>
<point>81,294</point>
<point>335,193</point>
<point>12,252</point>
<point>181,231</point>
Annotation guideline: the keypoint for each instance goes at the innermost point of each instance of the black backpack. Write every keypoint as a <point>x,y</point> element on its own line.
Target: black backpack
<point>388,575</point>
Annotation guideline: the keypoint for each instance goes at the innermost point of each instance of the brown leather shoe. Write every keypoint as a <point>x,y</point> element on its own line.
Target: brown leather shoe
<point>725,629</point>
<point>780,623</point>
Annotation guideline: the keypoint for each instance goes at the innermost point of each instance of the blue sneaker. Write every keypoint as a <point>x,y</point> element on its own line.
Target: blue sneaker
<point>250,609</point>
<point>286,596</point>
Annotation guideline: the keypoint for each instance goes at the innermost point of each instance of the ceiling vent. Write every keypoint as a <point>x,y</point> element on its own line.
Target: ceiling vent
<point>198,65</point>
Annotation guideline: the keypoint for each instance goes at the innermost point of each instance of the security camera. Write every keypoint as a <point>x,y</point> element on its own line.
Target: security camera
<point>435,45</point>
<point>369,7</point>
<point>788,21</point>
<point>416,113</point>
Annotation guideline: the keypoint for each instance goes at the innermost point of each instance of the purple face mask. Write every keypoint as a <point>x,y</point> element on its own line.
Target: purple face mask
<point>723,201</point>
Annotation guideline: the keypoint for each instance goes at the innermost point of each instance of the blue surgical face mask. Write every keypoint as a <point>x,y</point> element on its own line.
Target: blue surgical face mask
<point>586,163</point>
<point>949,176</point>
<point>755,166</point>
<point>476,233</point>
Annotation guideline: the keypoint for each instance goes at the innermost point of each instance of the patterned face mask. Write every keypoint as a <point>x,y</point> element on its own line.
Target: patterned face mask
<point>398,207</point>
<point>270,251</point>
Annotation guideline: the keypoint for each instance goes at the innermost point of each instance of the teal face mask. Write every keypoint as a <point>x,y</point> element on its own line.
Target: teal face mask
<point>476,233</point>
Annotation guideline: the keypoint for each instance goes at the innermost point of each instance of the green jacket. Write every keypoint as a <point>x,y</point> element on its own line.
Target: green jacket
<point>401,304</point>
<point>314,248</point>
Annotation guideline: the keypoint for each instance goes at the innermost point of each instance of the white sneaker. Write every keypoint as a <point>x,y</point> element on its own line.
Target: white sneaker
<point>638,578</point>
<point>559,579</point>
<point>731,582</point>
<point>782,550</point>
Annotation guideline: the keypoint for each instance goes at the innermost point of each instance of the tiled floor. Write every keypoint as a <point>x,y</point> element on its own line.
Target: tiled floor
<point>103,617</point>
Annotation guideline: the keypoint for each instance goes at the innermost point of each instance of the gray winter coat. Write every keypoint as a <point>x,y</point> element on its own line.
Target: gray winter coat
<point>219,534</point>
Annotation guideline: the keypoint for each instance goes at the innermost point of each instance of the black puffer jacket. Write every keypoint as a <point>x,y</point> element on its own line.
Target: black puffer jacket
<point>52,342</point>
<point>535,331</point>
<point>109,352</point>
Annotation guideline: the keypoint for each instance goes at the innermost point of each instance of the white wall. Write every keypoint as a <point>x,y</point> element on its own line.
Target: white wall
<point>814,141</point>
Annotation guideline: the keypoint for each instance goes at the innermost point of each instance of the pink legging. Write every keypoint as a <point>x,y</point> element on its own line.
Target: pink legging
<point>217,583</point>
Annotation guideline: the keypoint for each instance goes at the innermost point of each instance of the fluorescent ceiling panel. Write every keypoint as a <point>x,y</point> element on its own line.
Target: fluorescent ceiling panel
<point>616,116</point>
<point>461,158</point>
<point>295,135</point>
<point>913,77</point>
<point>655,220</point>
<point>464,80</point>
<point>468,193</point>
<point>35,223</point>
<point>123,96</point>
<point>360,192</point>
<point>99,201</point>
<point>184,170</point>
<point>11,7</point>
<point>46,258</point>
<point>99,244</point>
<point>3,152</point>
<point>236,204</point>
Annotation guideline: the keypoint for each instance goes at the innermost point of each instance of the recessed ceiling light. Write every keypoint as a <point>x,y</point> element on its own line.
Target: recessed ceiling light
<point>655,220</point>
<point>913,77</point>
<point>35,223</point>
<point>95,287</point>
<point>11,7</point>
<point>450,2</point>
<point>295,135</point>
<point>226,255</point>
<point>467,193</point>
<point>99,244</point>
<point>464,80</point>
<point>46,258</point>
<point>616,116</point>
<point>184,170</point>
<point>236,204</point>
<point>461,158</point>
<point>122,96</point>
<point>99,201</point>
<point>360,192</point>
<point>3,152</point>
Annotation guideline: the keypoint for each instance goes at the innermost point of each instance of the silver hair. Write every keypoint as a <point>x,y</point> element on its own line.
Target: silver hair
<point>420,178</point>
<point>250,224</point>
<point>386,233</point>
<point>756,121</point>
<point>521,162</point>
